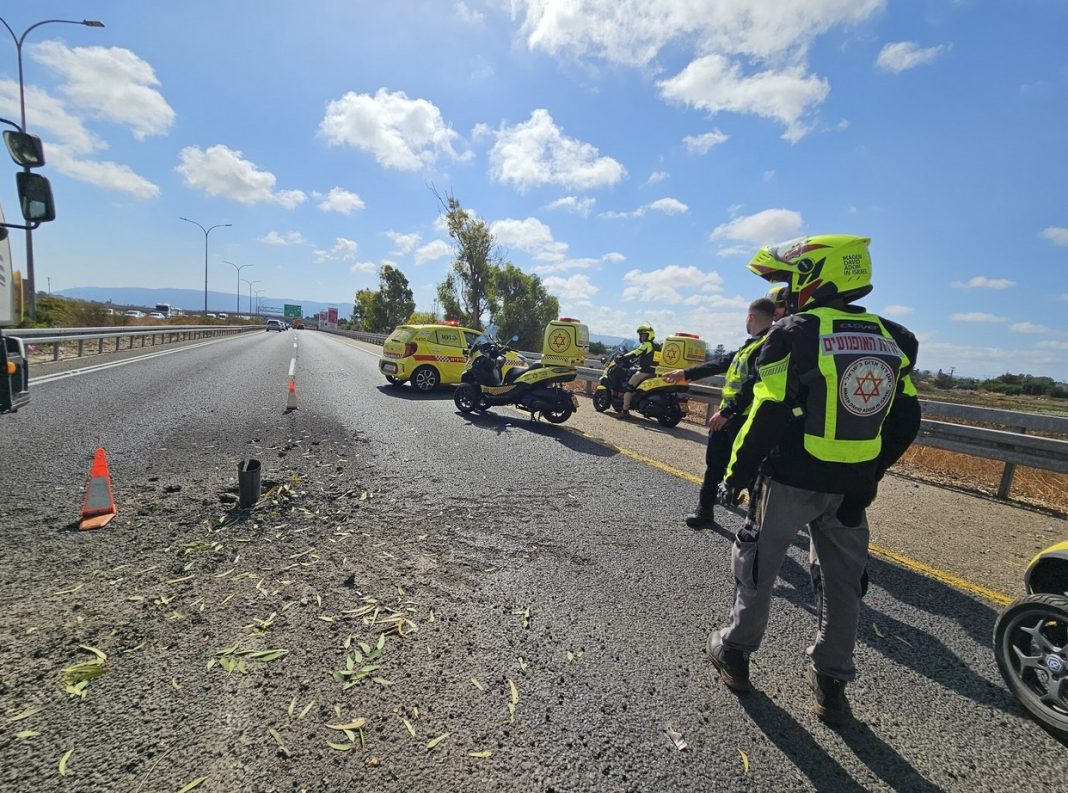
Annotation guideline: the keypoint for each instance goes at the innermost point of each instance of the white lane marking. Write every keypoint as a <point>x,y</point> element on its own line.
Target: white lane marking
<point>51,378</point>
<point>292,367</point>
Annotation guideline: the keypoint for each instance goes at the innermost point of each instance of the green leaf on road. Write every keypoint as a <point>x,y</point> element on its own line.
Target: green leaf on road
<point>63,762</point>
<point>195,783</point>
<point>435,741</point>
<point>278,740</point>
<point>25,714</point>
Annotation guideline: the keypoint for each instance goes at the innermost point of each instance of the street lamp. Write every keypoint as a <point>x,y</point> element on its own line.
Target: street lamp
<point>206,231</point>
<point>239,279</point>
<point>258,293</point>
<point>250,283</point>
<point>89,23</point>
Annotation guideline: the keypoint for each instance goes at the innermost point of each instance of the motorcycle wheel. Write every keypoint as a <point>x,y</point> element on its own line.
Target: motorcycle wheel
<point>560,415</point>
<point>1031,648</point>
<point>671,418</point>
<point>601,401</point>
<point>466,398</point>
<point>393,380</point>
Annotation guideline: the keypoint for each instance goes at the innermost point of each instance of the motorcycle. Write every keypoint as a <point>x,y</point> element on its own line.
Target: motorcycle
<point>493,377</point>
<point>654,398</point>
<point>1031,641</point>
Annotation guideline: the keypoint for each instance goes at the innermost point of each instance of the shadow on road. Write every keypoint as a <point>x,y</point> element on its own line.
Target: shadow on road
<point>567,437</point>
<point>823,771</point>
<point>405,391</point>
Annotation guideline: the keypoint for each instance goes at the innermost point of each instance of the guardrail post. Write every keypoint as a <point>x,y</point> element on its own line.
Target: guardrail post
<point>1008,472</point>
<point>100,346</point>
<point>81,347</point>
<point>55,351</point>
<point>118,338</point>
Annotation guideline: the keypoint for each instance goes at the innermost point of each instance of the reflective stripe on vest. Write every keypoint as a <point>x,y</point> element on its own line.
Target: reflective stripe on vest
<point>848,402</point>
<point>739,370</point>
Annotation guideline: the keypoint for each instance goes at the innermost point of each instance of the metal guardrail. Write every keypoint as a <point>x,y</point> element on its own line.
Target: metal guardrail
<point>1011,448</point>
<point>158,335</point>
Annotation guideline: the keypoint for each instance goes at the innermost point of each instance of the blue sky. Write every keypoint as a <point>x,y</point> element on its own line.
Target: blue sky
<point>634,153</point>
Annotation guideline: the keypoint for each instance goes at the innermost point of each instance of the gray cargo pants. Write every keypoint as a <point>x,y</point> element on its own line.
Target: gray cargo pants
<point>842,554</point>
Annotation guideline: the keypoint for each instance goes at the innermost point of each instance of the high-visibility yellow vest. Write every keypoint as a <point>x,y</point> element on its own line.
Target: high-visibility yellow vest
<point>846,406</point>
<point>738,371</point>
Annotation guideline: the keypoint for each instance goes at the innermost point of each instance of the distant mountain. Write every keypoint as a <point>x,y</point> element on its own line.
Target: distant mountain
<point>192,300</point>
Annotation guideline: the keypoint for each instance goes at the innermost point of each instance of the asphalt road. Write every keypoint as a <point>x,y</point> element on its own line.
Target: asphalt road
<point>548,567</point>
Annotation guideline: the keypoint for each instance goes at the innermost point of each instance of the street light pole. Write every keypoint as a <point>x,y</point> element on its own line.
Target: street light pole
<point>258,293</point>
<point>239,280</point>
<point>89,23</point>
<point>206,231</point>
<point>250,283</point>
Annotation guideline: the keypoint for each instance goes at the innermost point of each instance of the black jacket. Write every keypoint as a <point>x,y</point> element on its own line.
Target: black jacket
<point>733,408</point>
<point>774,437</point>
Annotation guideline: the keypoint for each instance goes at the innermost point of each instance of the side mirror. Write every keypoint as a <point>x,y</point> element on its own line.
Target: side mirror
<point>35,195</point>
<point>515,338</point>
<point>25,149</point>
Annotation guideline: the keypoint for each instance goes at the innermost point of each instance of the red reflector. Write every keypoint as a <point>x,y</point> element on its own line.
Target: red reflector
<point>409,350</point>
<point>567,319</point>
<point>452,322</point>
<point>687,335</point>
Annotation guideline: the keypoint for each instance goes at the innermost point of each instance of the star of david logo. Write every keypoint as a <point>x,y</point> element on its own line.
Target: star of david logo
<point>559,341</point>
<point>868,379</point>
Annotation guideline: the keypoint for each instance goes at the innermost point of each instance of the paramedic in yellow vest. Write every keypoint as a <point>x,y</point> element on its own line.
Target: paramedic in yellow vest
<point>737,395</point>
<point>832,409</point>
<point>643,353</point>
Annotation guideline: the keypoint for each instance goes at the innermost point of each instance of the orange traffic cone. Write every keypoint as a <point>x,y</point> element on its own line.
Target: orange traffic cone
<point>291,400</point>
<point>98,508</point>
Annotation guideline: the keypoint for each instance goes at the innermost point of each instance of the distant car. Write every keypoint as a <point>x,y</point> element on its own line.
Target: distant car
<point>212,316</point>
<point>274,324</point>
<point>157,315</point>
<point>223,316</point>
<point>135,313</point>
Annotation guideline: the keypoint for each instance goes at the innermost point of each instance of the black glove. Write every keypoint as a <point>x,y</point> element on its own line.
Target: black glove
<point>728,495</point>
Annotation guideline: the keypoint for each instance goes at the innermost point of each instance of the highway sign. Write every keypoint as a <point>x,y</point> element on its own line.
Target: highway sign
<point>292,310</point>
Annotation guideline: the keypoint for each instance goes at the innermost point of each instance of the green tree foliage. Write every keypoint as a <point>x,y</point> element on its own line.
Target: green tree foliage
<point>381,310</point>
<point>466,293</point>
<point>524,307</point>
<point>422,318</point>
<point>598,348</point>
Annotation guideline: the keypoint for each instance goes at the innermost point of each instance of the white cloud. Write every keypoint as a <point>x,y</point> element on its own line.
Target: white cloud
<point>576,290</point>
<point>614,257</point>
<point>770,225</point>
<point>402,133</point>
<point>342,250</point>
<point>736,250</point>
<point>1053,344</point>
<point>701,144</point>
<point>982,282</point>
<point>769,175</point>
<point>222,171</point>
<point>664,285</point>
<point>432,250</point>
<point>529,235</point>
<point>289,238</point>
<point>578,206</point>
<point>713,84</point>
<point>111,83</point>
<point>405,243</point>
<point>67,140</point>
<point>564,265</point>
<point>657,176</point>
<point>1058,235</point>
<point>897,311</point>
<point>901,55</point>
<point>1028,327</point>
<point>341,201</point>
<point>536,152</point>
<point>668,206</point>
<point>977,316</point>
<point>469,15</point>
<point>364,267</point>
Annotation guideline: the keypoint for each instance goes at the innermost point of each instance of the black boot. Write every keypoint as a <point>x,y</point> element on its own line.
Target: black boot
<point>700,518</point>
<point>732,665</point>
<point>830,702</point>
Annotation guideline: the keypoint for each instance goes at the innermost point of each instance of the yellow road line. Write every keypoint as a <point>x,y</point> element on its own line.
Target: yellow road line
<point>876,550</point>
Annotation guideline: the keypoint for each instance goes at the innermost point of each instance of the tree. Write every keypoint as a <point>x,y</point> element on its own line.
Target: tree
<point>382,310</point>
<point>598,348</point>
<point>719,353</point>
<point>422,318</point>
<point>525,307</point>
<point>466,294</point>
<point>398,302</point>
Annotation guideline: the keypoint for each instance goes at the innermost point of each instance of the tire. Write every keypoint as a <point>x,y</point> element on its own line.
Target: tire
<point>672,418</point>
<point>560,414</point>
<point>1030,646</point>
<point>425,379</point>
<point>601,400</point>
<point>393,380</point>
<point>466,398</point>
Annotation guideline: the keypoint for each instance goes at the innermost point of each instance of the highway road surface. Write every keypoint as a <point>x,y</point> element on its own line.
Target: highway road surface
<point>543,611</point>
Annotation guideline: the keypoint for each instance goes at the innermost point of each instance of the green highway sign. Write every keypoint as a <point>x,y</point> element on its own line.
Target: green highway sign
<point>292,311</point>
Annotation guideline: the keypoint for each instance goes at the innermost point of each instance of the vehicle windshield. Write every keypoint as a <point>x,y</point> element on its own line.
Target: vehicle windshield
<point>620,349</point>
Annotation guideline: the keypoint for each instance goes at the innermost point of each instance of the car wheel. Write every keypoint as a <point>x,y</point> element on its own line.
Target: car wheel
<point>672,418</point>
<point>393,380</point>
<point>601,401</point>
<point>466,398</point>
<point>1031,648</point>
<point>425,379</point>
